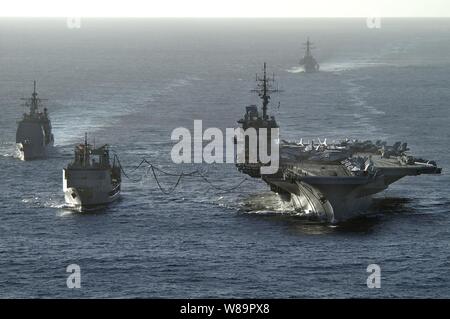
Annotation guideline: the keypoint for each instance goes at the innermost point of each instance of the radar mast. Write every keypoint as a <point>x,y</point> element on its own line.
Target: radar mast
<point>309,46</point>
<point>34,102</point>
<point>264,87</point>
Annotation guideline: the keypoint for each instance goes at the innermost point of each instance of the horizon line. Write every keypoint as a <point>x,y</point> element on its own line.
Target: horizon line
<point>229,17</point>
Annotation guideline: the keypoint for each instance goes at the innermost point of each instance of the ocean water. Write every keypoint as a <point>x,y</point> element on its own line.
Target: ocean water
<point>129,83</point>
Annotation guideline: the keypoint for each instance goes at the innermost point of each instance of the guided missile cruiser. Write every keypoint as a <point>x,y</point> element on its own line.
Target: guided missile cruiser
<point>308,62</point>
<point>34,137</point>
<point>332,181</point>
<point>91,180</point>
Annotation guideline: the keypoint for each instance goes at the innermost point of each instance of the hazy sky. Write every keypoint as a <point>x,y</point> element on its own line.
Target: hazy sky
<point>226,8</point>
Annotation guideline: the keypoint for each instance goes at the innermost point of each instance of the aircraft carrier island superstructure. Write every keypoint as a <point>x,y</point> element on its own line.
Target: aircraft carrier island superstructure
<point>91,180</point>
<point>34,136</point>
<point>333,181</point>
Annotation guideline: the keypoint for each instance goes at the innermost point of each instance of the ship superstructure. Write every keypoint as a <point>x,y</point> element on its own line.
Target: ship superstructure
<point>253,118</point>
<point>335,180</point>
<point>91,180</point>
<point>308,62</point>
<point>34,137</point>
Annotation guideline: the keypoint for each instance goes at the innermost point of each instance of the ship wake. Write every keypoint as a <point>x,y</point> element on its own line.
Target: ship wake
<point>273,204</point>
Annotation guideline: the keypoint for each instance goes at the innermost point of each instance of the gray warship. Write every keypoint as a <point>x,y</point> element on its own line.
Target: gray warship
<point>331,181</point>
<point>91,180</point>
<point>34,136</point>
<point>308,62</point>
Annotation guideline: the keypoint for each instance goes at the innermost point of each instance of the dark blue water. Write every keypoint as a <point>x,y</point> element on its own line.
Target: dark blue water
<point>129,83</point>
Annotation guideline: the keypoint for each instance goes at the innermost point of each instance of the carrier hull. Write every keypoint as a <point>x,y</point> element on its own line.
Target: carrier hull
<point>338,198</point>
<point>331,203</point>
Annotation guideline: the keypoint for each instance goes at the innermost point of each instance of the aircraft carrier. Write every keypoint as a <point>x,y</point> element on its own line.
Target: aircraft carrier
<point>332,181</point>
<point>34,136</point>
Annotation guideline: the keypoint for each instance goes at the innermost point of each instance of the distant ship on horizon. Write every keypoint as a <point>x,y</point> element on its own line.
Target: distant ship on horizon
<point>308,62</point>
<point>34,136</point>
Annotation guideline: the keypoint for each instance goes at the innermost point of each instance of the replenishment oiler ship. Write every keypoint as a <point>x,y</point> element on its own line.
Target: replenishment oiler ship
<point>91,181</point>
<point>332,181</point>
<point>34,138</point>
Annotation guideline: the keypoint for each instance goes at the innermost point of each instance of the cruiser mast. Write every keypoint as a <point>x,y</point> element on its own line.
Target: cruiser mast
<point>264,88</point>
<point>34,101</point>
<point>308,45</point>
<point>85,148</point>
